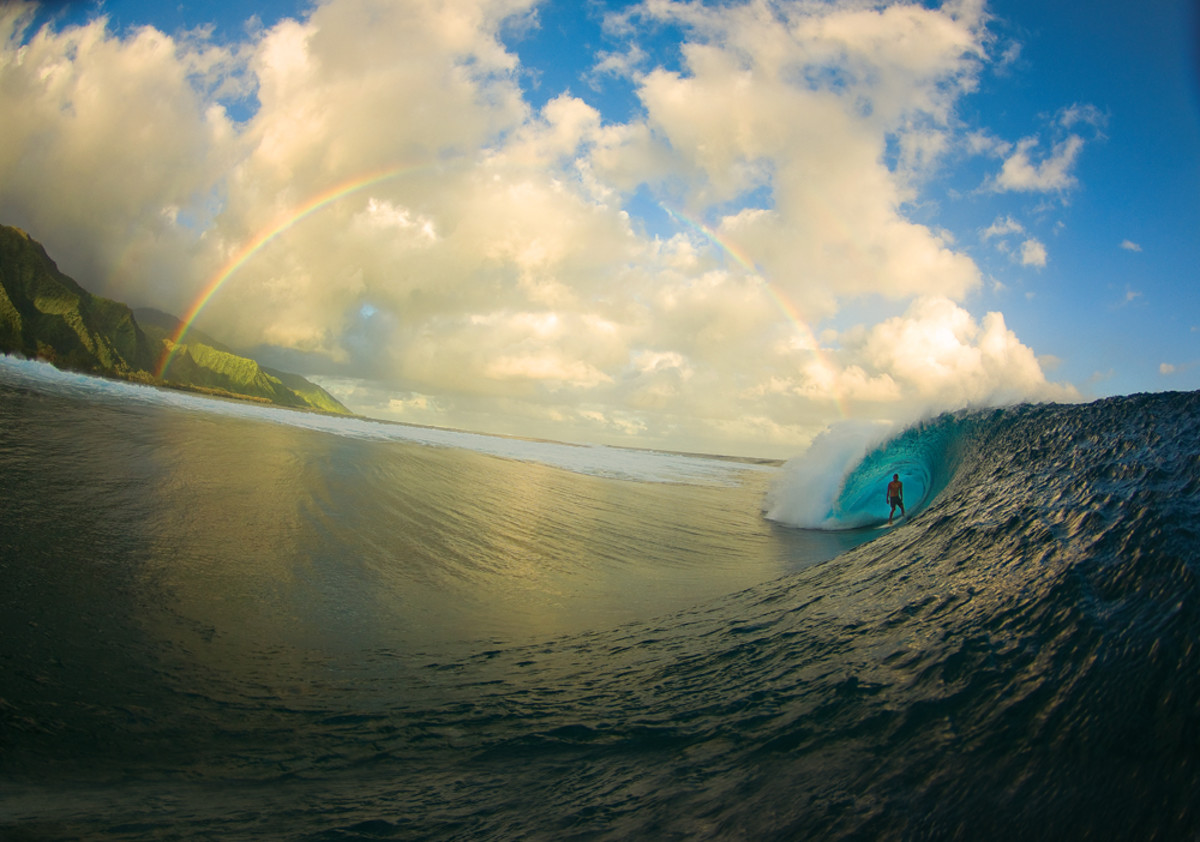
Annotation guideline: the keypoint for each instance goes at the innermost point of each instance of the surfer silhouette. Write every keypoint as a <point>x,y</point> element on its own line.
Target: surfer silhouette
<point>895,496</point>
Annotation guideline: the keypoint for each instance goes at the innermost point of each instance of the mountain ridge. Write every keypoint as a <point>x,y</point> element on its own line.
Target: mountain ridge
<point>45,314</point>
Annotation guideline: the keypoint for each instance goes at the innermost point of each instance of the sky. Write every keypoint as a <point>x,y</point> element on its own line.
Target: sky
<point>711,227</point>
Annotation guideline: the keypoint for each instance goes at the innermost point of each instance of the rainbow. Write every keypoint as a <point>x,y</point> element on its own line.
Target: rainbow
<point>785,304</point>
<point>262,238</point>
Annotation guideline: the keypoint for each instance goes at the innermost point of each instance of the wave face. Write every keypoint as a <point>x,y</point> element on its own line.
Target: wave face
<point>215,626</point>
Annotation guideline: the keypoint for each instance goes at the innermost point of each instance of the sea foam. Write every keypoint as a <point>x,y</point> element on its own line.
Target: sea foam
<point>595,460</point>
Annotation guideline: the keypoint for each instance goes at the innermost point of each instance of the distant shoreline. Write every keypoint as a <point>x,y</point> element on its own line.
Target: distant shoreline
<point>218,394</point>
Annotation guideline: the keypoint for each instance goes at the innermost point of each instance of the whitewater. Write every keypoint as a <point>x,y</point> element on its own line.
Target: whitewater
<point>227,621</point>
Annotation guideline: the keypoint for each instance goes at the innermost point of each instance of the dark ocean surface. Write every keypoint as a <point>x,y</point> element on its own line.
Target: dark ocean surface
<point>223,621</point>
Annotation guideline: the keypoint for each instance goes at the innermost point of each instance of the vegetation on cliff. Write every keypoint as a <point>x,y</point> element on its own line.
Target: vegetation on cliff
<point>45,314</point>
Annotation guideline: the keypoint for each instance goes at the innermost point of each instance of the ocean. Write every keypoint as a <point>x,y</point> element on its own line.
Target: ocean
<point>227,621</point>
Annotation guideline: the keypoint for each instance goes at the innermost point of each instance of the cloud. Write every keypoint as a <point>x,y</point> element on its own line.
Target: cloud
<point>482,267</point>
<point>1002,228</point>
<point>1129,245</point>
<point>1035,166</point>
<point>114,145</point>
<point>1033,253</point>
<point>626,64</point>
<point>1052,173</point>
<point>801,109</point>
<point>1082,113</point>
<point>938,351</point>
<point>1170,369</point>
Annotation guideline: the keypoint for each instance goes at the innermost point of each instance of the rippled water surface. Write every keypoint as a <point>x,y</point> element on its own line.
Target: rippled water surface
<point>234,623</point>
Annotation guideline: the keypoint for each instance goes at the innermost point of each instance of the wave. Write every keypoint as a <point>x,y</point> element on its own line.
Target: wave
<point>1019,660</point>
<point>840,482</point>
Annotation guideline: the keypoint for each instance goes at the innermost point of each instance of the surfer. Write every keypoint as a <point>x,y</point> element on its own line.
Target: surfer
<point>895,496</point>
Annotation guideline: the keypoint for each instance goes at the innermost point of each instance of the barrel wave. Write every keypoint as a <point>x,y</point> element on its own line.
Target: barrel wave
<point>218,626</point>
<point>840,482</point>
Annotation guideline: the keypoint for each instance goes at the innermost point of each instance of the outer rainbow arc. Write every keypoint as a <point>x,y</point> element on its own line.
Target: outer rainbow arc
<point>789,310</point>
<point>312,205</point>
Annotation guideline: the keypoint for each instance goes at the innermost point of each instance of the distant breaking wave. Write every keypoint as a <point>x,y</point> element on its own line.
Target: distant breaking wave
<point>592,460</point>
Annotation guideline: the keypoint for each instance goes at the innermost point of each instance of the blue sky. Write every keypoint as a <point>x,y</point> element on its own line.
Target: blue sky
<point>699,226</point>
<point>1138,183</point>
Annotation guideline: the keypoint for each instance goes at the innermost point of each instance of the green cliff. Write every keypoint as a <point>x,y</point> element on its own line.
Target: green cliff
<point>46,315</point>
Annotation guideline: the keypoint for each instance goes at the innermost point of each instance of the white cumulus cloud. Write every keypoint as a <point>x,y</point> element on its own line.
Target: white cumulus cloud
<point>1033,252</point>
<point>392,211</point>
